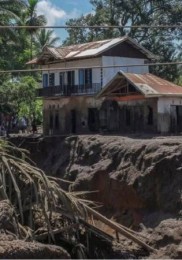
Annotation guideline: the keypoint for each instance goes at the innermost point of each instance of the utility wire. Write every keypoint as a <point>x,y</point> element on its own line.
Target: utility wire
<point>179,26</point>
<point>93,67</point>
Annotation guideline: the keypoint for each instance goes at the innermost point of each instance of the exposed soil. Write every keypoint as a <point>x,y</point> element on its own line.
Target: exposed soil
<point>138,181</point>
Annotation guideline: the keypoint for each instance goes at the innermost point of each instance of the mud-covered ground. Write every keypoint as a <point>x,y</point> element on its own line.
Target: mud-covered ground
<point>137,180</point>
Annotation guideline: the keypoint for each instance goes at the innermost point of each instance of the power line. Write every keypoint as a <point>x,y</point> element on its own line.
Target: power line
<point>93,67</point>
<point>92,26</point>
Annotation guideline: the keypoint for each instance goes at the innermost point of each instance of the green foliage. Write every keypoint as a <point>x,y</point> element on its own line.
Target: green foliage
<point>45,38</point>
<point>20,98</point>
<point>18,46</point>
<point>179,82</point>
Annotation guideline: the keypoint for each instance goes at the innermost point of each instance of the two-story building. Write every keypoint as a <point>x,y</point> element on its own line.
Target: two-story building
<point>83,90</point>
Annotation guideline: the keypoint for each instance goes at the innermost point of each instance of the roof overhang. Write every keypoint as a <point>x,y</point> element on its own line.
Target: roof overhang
<point>147,84</point>
<point>46,54</point>
<point>70,54</point>
<point>118,79</point>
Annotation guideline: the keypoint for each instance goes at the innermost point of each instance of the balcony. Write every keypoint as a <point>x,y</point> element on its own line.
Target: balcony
<point>68,90</point>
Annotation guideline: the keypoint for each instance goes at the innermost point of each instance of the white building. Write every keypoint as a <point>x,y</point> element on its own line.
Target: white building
<point>74,75</point>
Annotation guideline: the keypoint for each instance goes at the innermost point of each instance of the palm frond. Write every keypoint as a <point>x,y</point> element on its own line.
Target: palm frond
<point>31,187</point>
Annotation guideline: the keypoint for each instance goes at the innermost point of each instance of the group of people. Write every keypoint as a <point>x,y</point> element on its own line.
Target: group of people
<point>14,125</point>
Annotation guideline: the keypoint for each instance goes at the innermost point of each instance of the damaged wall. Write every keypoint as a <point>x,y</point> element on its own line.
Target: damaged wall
<point>129,116</point>
<point>86,114</point>
<point>83,115</point>
<point>73,115</point>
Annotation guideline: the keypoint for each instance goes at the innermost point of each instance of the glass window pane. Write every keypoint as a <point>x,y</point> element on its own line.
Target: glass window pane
<point>61,78</point>
<point>81,77</point>
<point>45,80</point>
<point>51,79</point>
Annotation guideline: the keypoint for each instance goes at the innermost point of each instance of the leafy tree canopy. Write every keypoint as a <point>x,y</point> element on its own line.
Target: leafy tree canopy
<point>19,98</point>
<point>162,42</point>
<point>17,46</point>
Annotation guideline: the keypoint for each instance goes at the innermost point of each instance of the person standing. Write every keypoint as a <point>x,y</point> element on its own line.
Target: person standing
<point>23,124</point>
<point>34,126</point>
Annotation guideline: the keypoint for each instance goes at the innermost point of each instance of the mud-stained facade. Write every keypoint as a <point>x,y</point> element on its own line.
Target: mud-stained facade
<point>71,115</point>
<point>82,115</point>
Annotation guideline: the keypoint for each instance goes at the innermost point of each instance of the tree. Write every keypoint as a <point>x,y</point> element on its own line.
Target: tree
<point>45,38</point>
<point>16,45</point>
<point>10,10</point>
<point>10,14</point>
<point>134,12</point>
<point>32,19</point>
<point>19,97</point>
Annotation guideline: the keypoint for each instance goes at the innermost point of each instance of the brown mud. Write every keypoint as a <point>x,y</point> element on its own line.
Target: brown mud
<point>138,181</point>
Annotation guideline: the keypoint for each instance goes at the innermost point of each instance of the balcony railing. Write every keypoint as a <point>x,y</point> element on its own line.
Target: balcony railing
<point>69,90</point>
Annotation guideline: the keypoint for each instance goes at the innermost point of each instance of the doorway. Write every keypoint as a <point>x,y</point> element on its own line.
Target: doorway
<point>73,121</point>
<point>93,119</point>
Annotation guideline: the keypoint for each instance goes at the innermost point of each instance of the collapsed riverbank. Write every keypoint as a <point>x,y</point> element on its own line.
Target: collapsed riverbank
<point>138,181</point>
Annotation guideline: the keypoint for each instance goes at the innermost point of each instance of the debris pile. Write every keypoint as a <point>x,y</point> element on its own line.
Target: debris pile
<point>39,219</point>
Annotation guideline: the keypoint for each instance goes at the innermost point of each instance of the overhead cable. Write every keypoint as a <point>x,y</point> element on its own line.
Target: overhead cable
<point>93,67</point>
<point>179,26</point>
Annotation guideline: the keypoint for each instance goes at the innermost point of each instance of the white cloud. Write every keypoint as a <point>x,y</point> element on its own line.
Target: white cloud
<point>56,16</point>
<point>73,14</point>
<point>51,12</point>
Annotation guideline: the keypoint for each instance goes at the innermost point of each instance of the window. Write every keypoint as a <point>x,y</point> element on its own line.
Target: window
<point>101,76</point>
<point>85,77</point>
<point>70,78</point>
<point>51,79</point>
<point>61,78</point>
<point>88,77</point>
<point>45,80</point>
<point>81,77</point>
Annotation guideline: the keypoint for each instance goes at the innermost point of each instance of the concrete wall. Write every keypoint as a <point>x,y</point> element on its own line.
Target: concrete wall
<point>109,73</point>
<point>164,112</point>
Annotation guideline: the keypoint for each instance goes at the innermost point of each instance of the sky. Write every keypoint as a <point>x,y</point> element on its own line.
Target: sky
<point>57,12</point>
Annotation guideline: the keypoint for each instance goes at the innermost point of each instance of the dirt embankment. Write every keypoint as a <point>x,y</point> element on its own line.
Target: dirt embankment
<point>139,181</point>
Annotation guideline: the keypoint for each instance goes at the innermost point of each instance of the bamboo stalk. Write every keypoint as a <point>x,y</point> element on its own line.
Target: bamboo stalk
<point>56,231</point>
<point>119,229</point>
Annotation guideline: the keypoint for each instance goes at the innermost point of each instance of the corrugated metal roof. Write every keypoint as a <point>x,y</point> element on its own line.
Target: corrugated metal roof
<point>150,84</point>
<point>147,84</point>
<point>90,49</point>
<point>80,50</point>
